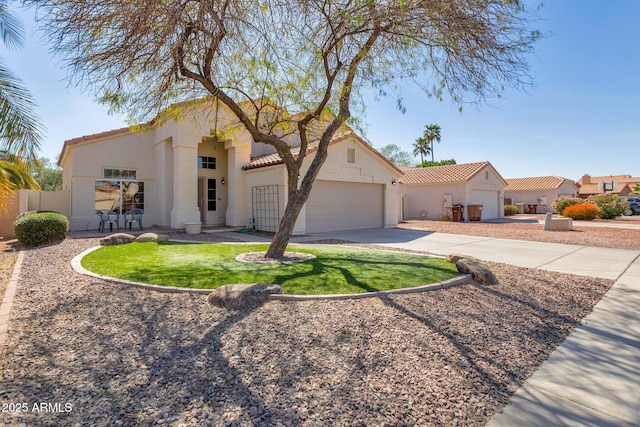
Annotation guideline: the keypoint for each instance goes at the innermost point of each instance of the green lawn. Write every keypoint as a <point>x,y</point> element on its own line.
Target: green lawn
<point>335,270</point>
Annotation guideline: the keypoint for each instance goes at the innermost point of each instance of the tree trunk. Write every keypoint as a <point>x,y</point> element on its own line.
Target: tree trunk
<point>285,227</point>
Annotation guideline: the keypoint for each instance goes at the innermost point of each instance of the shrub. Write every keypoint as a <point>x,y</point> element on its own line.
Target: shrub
<point>583,211</point>
<point>610,205</point>
<point>38,228</point>
<point>510,210</point>
<point>560,204</point>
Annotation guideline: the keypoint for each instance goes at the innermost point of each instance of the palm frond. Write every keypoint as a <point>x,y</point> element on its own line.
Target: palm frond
<point>11,30</point>
<point>20,130</point>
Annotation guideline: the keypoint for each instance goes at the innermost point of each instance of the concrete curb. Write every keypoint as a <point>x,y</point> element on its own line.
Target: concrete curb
<point>456,281</point>
<point>7,299</point>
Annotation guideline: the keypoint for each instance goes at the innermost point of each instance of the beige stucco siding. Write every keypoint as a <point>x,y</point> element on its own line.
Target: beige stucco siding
<point>537,197</point>
<point>86,165</point>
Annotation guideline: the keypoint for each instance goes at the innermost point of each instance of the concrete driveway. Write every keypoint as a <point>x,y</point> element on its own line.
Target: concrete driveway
<point>587,261</point>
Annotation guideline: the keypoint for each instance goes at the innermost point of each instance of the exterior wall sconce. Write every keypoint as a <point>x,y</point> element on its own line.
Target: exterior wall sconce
<point>222,181</point>
<point>393,182</point>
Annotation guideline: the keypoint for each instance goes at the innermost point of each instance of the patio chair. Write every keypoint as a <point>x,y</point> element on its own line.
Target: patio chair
<point>131,216</point>
<point>110,218</point>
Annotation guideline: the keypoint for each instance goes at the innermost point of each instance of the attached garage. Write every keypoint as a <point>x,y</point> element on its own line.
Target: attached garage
<point>338,206</point>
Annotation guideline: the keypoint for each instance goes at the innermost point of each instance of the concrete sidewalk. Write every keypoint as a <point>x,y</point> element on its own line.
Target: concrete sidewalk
<point>593,377</point>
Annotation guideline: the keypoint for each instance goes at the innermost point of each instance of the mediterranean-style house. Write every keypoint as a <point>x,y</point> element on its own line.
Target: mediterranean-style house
<point>430,193</point>
<point>180,171</point>
<point>622,185</point>
<point>540,192</point>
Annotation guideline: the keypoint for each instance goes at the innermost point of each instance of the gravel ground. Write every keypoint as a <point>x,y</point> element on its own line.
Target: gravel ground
<point>583,234</point>
<point>101,354</point>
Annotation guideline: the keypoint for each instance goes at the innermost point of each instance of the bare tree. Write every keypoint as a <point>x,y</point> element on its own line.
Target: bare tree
<point>302,57</point>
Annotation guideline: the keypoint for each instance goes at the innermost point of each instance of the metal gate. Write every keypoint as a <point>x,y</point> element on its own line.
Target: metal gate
<point>265,208</point>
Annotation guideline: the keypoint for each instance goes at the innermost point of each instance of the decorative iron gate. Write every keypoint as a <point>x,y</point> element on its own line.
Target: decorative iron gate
<point>265,208</point>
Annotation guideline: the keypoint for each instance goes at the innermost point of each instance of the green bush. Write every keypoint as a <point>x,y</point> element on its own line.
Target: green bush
<point>583,211</point>
<point>610,205</point>
<point>510,210</point>
<point>38,228</point>
<point>560,204</point>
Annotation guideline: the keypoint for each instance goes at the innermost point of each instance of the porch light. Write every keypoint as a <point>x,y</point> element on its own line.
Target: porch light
<point>393,181</point>
<point>222,181</point>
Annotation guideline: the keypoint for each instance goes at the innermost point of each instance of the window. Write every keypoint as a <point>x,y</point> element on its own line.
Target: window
<point>205,162</point>
<point>211,195</point>
<point>486,174</point>
<point>118,196</point>
<point>119,174</point>
<point>351,155</point>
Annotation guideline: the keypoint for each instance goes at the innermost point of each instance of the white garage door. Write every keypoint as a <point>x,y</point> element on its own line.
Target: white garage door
<point>489,201</point>
<point>337,206</point>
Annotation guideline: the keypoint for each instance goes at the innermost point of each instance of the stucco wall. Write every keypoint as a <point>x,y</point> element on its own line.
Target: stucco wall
<point>86,163</point>
<point>532,197</point>
<point>427,201</point>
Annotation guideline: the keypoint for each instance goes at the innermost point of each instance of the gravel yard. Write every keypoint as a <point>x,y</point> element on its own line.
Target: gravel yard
<point>583,234</point>
<point>103,354</point>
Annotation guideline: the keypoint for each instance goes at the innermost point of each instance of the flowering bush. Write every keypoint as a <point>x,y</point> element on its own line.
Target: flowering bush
<point>583,211</point>
<point>560,204</point>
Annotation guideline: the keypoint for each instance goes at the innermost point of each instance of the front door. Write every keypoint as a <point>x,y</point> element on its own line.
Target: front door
<point>207,197</point>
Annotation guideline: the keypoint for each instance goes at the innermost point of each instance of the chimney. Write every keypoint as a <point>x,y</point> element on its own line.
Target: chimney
<point>586,179</point>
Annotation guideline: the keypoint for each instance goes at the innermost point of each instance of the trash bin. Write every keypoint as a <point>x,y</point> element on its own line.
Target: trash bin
<point>520,207</point>
<point>475,212</point>
<point>456,213</point>
<point>532,208</point>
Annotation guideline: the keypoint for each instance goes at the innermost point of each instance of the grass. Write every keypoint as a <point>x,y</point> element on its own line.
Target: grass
<point>335,270</point>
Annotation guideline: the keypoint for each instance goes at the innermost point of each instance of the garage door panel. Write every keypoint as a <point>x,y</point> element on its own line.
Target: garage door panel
<point>489,202</point>
<point>337,206</point>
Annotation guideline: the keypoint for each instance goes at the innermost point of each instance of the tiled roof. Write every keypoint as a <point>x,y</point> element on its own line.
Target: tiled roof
<point>588,189</point>
<point>275,159</point>
<point>97,135</point>
<point>609,178</point>
<point>443,174</point>
<point>534,183</point>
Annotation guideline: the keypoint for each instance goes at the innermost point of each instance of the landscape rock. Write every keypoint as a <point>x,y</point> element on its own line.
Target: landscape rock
<point>478,270</point>
<point>243,296</point>
<point>117,239</point>
<point>152,237</point>
<point>454,258</point>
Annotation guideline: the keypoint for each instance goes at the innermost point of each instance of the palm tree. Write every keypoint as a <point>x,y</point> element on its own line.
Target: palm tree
<point>421,146</point>
<point>431,133</point>
<point>20,129</point>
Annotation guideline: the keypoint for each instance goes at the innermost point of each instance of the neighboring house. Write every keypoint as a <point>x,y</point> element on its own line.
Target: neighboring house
<point>429,193</point>
<point>541,191</point>
<point>622,185</point>
<point>178,173</point>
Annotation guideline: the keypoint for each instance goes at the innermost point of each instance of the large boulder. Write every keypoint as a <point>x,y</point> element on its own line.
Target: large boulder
<point>242,296</point>
<point>152,237</point>
<point>117,239</point>
<point>478,270</point>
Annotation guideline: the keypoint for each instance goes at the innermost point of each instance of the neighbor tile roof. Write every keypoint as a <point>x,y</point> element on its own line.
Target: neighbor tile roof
<point>608,178</point>
<point>534,183</point>
<point>589,189</point>
<point>443,174</point>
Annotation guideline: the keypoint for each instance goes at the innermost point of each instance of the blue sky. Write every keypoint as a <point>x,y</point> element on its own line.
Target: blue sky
<point>582,116</point>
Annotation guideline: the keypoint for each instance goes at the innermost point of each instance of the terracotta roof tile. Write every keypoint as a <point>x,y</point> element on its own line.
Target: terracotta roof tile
<point>589,189</point>
<point>275,159</point>
<point>535,183</point>
<point>442,174</point>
